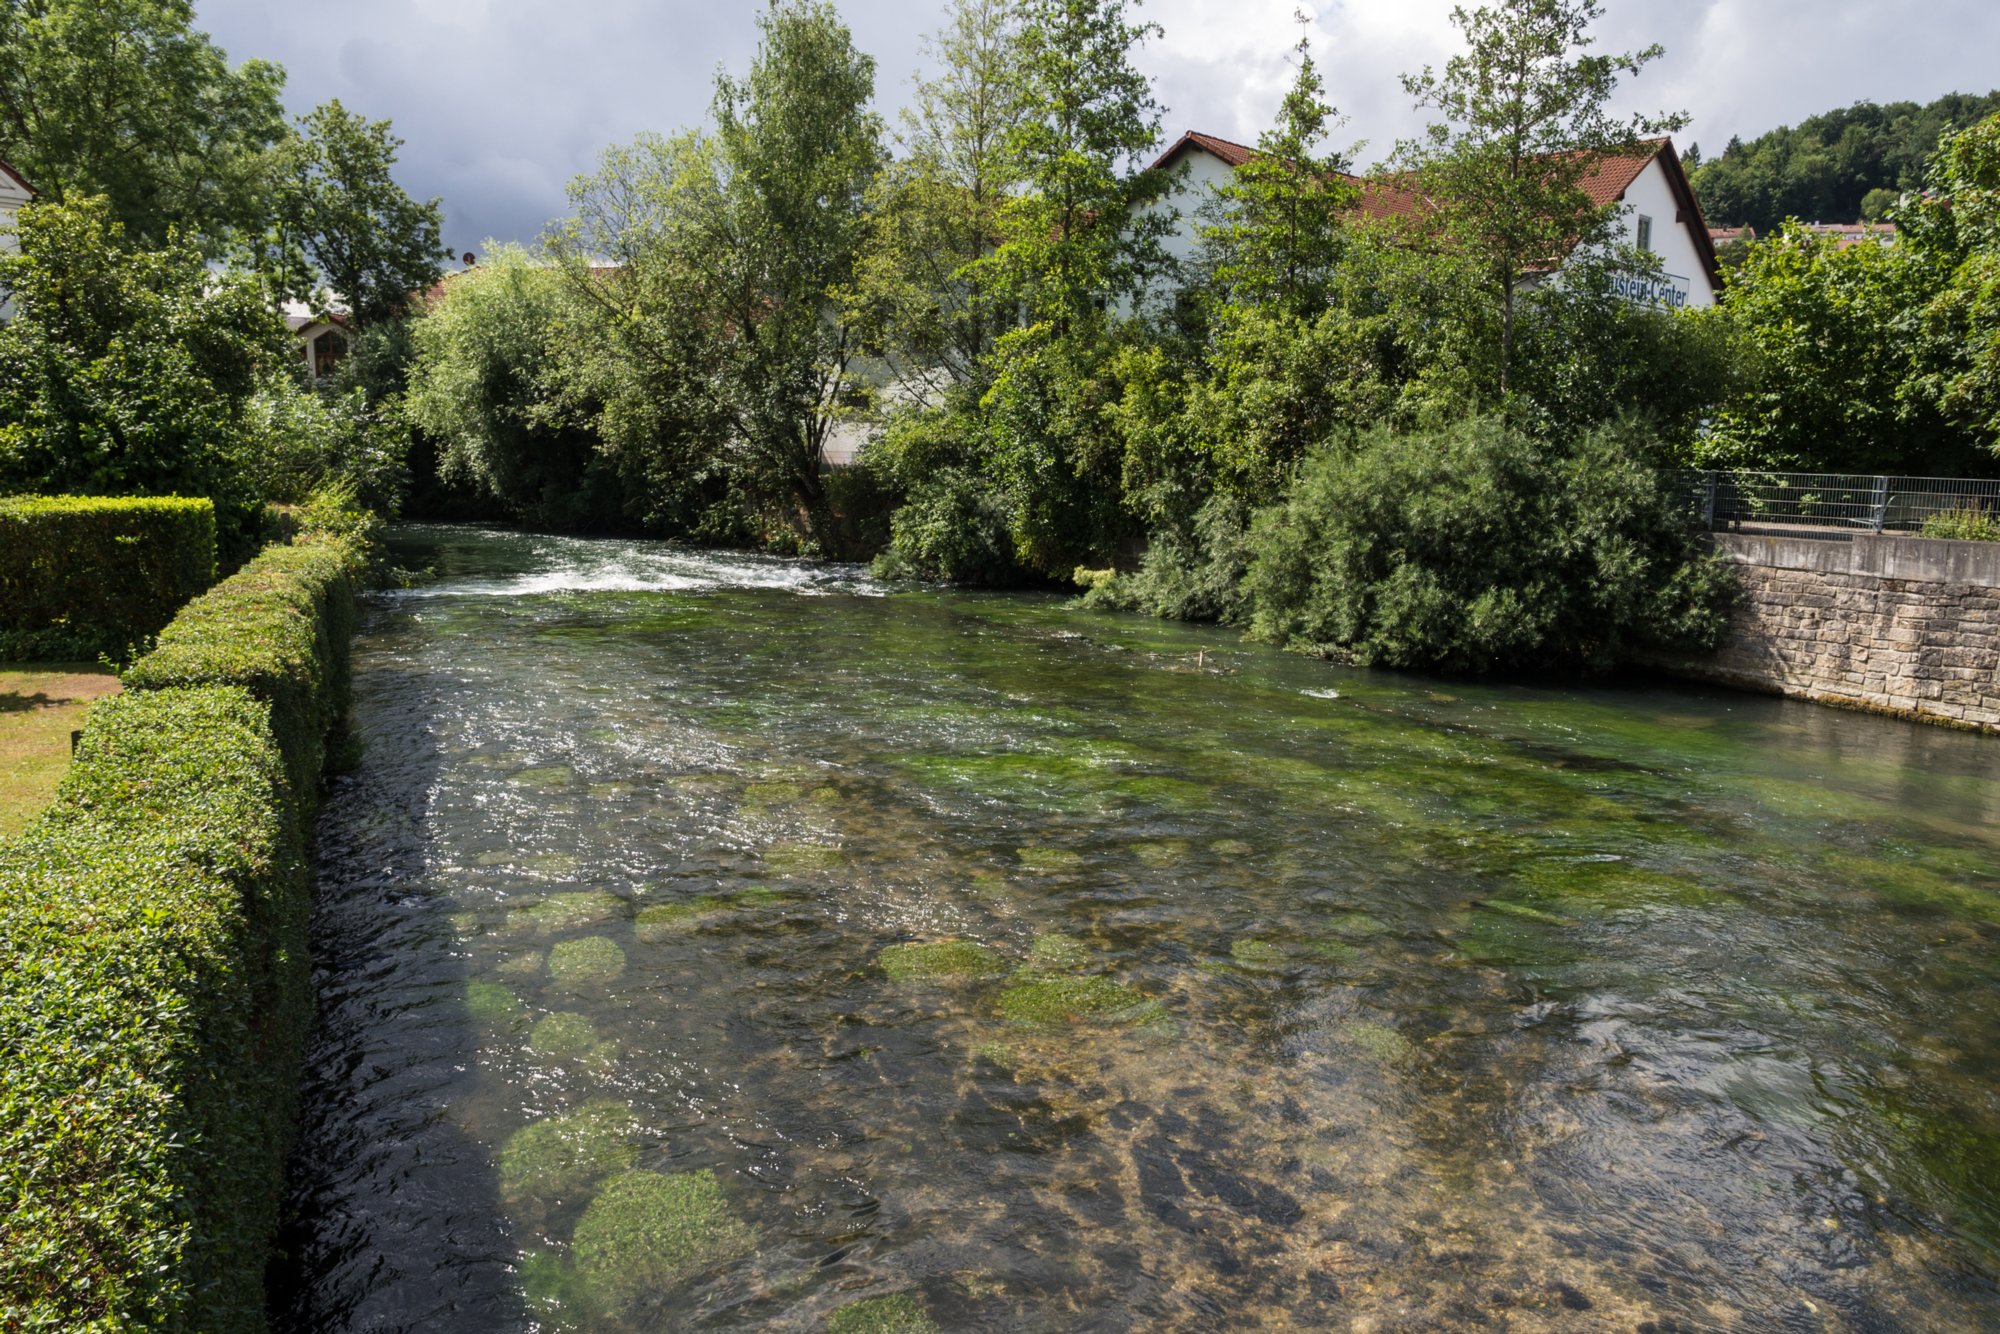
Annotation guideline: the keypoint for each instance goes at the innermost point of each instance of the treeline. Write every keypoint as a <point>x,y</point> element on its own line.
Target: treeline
<point>1397,435</point>
<point>1848,165</point>
<point>178,209</point>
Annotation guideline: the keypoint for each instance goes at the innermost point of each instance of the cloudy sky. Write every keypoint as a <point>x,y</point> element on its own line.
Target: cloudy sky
<point>504,101</point>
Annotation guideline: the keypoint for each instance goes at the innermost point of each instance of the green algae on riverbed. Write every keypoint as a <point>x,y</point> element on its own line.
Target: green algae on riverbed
<point>1018,963</point>
<point>648,1232</point>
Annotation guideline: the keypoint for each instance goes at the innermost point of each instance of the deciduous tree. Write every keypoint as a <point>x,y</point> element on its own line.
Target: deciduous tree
<point>124,99</point>
<point>1524,121</point>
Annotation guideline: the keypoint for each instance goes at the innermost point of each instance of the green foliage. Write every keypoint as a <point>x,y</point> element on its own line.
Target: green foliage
<point>1969,524</point>
<point>729,354</point>
<point>1955,227</point>
<point>344,222</point>
<point>1055,451</point>
<point>125,99</point>
<point>1870,359</point>
<point>1077,236</point>
<point>153,973</point>
<point>1833,167</point>
<point>1481,548</point>
<point>1280,233</point>
<point>278,628</point>
<point>1524,120</point>
<point>129,372</point>
<point>83,576</point>
<point>487,385</point>
<point>952,528</point>
<point>300,442</point>
<point>920,294</point>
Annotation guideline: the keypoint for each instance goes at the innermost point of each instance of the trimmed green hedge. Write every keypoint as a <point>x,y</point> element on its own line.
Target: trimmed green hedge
<point>154,991</point>
<point>280,628</point>
<point>84,575</point>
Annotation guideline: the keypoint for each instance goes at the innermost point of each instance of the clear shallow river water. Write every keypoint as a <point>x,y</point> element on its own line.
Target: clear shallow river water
<point>1249,992</point>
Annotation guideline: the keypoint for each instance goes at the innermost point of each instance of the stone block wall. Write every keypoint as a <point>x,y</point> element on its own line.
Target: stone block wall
<point>1895,625</point>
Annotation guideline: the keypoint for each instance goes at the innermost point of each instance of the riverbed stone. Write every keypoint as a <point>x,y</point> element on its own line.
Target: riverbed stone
<point>650,1232</point>
<point>900,1314</point>
<point>565,1155</point>
<point>579,965</point>
<point>490,1003</point>
<point>565,1036</point>
<point>1041,1000</point>
<point>1054,951</point>
<point>941,961</point>
<point>566,912</point>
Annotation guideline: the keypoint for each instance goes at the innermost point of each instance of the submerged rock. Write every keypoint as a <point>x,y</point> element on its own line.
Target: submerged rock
<point>1048,859</point>
<point>568,1154</point>
<point>1048,1001</point>
<point>1257,954</point>
<point>940,961</point>
<point>1382,1042</point>
<point>565,912</point>
<point>566,1036</point>
<point>1055,950</point>
<point>579,965</point>
<point>1230,847</point>
<point>553,775</point>
<point>758,795</point>
<point>1160,855</point>
<point>796,858</point>
<point>647,1232</point>
<point>663,921</point>
<point>491,1003</point>
<point>901,1314</point>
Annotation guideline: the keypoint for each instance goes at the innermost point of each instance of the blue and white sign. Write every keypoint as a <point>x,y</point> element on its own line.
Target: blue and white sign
<point>1666,291</point>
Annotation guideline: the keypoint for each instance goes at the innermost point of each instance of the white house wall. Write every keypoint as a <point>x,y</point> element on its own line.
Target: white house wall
<point>1685,282</point>
<point>12,197</point>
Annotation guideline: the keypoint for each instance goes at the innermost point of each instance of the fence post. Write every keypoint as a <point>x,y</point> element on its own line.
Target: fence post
<point>1881,505</point>
<point>1708,500</point>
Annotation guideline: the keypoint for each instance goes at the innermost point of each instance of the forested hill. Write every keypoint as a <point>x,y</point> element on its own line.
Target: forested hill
<point>1825,168</point>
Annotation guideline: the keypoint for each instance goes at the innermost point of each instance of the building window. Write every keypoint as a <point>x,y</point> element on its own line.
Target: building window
<point>1645,233</point>
<point>328,349</point>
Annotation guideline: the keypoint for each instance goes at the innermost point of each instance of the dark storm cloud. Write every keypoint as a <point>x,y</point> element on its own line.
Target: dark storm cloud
<point>504,101</point>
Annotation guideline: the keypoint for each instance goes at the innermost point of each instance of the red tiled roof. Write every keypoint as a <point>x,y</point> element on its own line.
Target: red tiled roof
<point>1388,197</point>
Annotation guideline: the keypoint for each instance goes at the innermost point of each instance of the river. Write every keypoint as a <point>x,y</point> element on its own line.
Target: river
<point>713,942</point>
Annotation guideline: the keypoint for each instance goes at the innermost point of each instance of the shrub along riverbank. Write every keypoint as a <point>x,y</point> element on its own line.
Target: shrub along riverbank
<point>153,976</point>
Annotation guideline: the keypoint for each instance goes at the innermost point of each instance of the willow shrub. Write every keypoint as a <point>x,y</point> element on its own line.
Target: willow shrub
<point>84,575</point>
<point>154,991</point>
<point>1480,548</point>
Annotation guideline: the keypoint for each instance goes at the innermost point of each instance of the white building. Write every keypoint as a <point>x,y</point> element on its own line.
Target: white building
<point>14,192</point>
<point>1657,210</point>
<point>324,332</point>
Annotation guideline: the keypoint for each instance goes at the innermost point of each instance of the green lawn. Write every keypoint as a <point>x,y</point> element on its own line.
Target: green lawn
<point>40,705</point>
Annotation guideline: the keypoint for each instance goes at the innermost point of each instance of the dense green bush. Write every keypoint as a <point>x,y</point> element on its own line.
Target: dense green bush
<point>953,528</point>
<point>84,575</point>
<point>153,998</point>
<point>279,627</point>
<point>153,984</point>
<point>1481,548</point>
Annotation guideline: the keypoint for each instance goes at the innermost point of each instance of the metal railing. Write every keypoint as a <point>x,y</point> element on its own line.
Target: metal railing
<point>1834,502</point>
